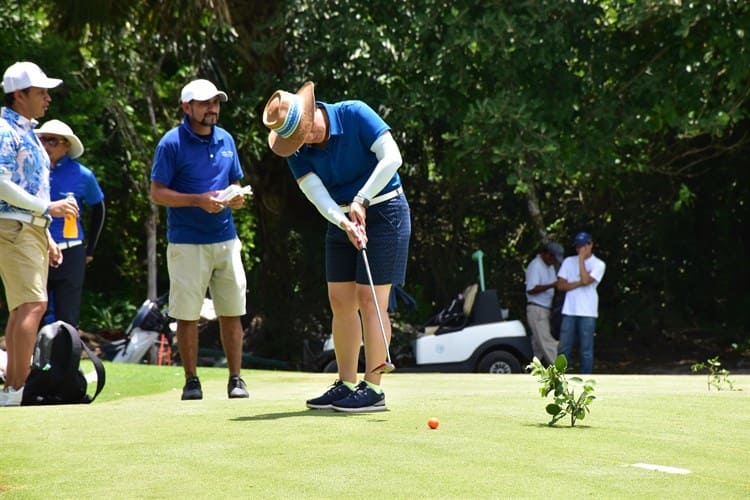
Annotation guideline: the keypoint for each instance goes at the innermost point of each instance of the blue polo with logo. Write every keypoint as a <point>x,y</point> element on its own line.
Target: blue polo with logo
<point>69,176</point>
<point>346,162</point>
<point>189,163</point>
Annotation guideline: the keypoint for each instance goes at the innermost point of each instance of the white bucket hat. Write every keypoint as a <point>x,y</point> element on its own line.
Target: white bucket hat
<point>23,75</point>
<point>201,90</point>
<point>56,127</point>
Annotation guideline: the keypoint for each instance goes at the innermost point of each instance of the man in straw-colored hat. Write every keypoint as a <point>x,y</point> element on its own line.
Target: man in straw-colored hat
<point>195,165</point>
<point>68,176</point>
<point>26,246</point>
<point>345,161</point>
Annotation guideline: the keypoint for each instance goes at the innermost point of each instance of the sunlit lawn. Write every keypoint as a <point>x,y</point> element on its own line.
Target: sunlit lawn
<point>140,441</point>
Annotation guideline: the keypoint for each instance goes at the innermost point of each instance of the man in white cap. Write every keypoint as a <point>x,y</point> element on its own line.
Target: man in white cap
<point>194,162</point>
<point>26,246</point>
<point>68,176</point>
<point>541,280</point>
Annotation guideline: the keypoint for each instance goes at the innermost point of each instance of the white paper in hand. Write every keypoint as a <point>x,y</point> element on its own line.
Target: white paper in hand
<point>232,192</point>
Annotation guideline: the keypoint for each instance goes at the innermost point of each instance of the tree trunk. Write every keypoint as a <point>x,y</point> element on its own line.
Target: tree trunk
<point>536,213</point>
<point>152,224</point>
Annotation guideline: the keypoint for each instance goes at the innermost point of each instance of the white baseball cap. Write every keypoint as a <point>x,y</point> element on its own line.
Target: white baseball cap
<point>201,90</point>
<point>23,75</point>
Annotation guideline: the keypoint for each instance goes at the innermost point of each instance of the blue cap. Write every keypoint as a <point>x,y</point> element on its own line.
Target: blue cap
<point>582,238</point>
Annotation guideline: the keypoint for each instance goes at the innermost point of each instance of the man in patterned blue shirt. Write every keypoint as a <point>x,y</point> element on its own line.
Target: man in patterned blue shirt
<point>26,247</point>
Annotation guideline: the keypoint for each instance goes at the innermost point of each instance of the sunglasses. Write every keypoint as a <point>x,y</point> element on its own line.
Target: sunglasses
<point>53,141</point>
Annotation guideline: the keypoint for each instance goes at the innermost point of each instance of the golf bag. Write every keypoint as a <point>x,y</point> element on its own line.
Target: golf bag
<point>148,338</point>
<point>56,377</point>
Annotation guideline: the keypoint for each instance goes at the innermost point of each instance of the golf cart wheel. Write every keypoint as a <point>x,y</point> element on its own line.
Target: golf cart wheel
<point>499,362</point>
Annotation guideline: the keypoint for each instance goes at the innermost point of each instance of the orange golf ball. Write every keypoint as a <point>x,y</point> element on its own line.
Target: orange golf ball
<point>433,423</point>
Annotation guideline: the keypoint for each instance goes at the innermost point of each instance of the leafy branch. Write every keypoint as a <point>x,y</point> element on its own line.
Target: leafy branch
<point>553,380</point>
<point>718,377</point>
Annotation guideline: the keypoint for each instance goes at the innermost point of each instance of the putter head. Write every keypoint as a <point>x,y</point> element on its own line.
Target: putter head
<point>384,367</point>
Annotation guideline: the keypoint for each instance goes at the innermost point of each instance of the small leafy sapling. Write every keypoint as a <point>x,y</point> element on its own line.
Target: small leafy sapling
<point>566,402</point>
<point>718,377</point>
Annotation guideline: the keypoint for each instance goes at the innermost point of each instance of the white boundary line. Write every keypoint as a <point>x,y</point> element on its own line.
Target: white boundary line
<point>661,468</point>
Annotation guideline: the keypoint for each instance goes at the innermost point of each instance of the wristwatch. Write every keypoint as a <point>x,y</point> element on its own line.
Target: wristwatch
<point>362,200</point>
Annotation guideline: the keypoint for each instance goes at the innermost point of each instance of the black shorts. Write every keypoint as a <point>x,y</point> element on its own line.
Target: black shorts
<point>388,233</point>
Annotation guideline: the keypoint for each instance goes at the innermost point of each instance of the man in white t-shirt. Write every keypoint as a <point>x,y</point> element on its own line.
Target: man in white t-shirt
<point>579,276</point>
<point>541,280</point>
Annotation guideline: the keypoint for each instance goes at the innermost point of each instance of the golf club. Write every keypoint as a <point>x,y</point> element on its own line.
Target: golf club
<point>386,366</point>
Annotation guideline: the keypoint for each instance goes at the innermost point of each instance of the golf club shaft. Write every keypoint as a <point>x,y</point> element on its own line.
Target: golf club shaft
<point>375,301</point>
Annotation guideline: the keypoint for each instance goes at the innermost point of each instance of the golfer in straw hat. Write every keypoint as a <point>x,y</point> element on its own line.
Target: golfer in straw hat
<point>345,161</point>
<point>65,282</point>
<point>26,246</point>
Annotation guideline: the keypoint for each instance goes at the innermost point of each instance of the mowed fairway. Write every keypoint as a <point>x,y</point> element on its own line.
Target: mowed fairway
<point>140,441</point>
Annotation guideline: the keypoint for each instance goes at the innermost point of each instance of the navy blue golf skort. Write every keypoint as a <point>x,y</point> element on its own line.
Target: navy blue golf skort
<point>388,233</point>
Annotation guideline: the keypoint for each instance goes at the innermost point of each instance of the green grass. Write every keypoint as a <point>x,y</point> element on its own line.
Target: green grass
<point>138,440</point>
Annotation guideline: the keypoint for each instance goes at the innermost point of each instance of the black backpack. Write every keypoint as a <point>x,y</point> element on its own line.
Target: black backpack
<point>55,376</point>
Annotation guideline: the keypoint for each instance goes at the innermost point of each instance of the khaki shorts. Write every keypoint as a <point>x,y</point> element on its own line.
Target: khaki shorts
<point>24,262</point>
<point>195,268</point>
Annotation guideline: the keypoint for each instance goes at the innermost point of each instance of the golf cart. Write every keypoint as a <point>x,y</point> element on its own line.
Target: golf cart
<point>471,334</point>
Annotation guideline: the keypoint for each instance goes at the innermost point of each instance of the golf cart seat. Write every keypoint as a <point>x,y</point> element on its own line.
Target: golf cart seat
<point>455,316</point>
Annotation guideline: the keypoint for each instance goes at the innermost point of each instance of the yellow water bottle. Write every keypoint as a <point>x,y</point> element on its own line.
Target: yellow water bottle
<point>70,226</point>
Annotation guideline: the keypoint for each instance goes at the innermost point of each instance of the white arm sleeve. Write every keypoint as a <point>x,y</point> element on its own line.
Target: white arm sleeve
<point>15,195</point>
<point>317,193</point>
<point>389,159</point>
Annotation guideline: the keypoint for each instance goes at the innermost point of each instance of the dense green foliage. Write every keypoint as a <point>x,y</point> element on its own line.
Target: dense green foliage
<point>518,122</point>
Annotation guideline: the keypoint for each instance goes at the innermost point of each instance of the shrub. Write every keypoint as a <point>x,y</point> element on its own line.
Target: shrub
<point>718,377</point>
<point>553,380</point>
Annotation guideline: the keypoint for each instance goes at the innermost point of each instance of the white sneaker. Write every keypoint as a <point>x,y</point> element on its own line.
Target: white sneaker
<point>11,397</point>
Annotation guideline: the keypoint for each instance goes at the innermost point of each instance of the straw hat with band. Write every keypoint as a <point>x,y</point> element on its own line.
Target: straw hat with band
<point>290,118</point>
<point>56,127</point>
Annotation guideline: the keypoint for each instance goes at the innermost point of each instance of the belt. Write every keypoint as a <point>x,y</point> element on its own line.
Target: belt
<point>27,218</point>
<point>380,198</point>
<point>537,305</point>
<point>69,244</point>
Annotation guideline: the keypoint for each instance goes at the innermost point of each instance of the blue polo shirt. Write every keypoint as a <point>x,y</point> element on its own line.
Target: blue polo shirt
<point>346,162</point>
<point>69,176</point>
<point>188,163</point>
